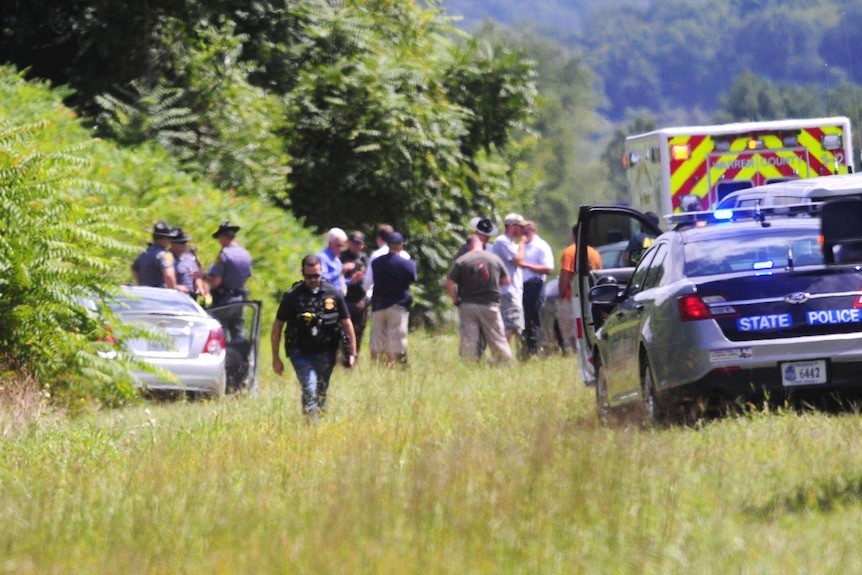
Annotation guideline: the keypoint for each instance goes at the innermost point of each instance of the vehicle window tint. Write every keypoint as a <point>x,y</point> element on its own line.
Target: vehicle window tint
<point>637,279</point>
<point>723,189</point>
<point>656,271</point>
<point>169,302</point>
<point>769,249</point>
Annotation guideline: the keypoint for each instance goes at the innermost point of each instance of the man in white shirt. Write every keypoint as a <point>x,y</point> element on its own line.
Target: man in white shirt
<point>510,247</point>
<point>538,263</point>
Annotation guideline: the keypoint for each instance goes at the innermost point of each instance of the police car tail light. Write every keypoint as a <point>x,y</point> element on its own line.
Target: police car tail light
<point>858,301</point>
<point>215,342</point>
<point>692,308</point>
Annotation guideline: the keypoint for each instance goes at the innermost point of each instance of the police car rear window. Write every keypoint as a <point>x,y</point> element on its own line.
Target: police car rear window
<point>768,249</point>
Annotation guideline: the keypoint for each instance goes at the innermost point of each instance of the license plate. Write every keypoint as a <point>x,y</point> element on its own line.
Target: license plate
<point>803,372</point>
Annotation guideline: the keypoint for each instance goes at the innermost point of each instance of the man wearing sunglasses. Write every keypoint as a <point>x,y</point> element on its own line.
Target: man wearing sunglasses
<point>312,316</point>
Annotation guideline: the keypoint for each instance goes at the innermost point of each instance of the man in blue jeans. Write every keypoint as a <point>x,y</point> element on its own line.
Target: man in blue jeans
<point>313,316</point>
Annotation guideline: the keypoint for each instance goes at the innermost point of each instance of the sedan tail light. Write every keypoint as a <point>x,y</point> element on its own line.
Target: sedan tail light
<point>692,308</point>
<point>215,342</point>
<point>109,335</point>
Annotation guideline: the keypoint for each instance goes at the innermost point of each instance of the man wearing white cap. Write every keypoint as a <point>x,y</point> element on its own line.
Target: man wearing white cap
<point>510,247</point>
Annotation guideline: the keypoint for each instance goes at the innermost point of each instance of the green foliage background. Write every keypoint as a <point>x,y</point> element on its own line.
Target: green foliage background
<point>288,117</point>
<point>75,211</point>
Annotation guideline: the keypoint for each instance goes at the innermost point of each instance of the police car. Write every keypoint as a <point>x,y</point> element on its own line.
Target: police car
<point>726,306</point>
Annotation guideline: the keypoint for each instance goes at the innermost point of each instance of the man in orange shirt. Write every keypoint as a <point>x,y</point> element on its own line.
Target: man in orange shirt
<point>565,310</point>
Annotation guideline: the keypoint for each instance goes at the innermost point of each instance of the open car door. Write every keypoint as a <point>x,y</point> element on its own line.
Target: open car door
<point>605,229</point>
<point>241,323</point>
<point>841,228</point>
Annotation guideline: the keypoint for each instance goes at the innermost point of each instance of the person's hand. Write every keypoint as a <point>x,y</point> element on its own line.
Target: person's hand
<point>277,365</point>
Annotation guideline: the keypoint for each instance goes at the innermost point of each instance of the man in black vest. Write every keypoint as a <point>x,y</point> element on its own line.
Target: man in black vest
<point>312,316</point>
<point>355,262</point>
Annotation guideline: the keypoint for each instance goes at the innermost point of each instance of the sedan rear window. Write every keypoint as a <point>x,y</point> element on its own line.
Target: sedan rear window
<point>769,249</point>
<point>163,303</point>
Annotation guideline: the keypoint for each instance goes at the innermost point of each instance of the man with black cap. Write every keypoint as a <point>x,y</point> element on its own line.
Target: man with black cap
<point>188,268</point>
<point>154,267</point>
<point>355,261</point>
<point>484,227</point>
<point>391,302</point>
<point>227,276</point>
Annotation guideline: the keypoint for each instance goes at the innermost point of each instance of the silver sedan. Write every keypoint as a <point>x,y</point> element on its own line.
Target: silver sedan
<point>191,345</point>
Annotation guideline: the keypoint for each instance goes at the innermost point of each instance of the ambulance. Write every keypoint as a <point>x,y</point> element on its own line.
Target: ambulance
<point>694,167</point>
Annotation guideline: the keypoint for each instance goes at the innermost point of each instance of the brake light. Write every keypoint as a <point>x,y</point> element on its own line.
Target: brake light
<point>215,342</point>
<point>109,335</point>
<point>692,308</point>
<point>858,301</point>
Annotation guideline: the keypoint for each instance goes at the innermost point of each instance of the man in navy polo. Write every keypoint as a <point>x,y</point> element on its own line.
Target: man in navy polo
<point>391,301</point>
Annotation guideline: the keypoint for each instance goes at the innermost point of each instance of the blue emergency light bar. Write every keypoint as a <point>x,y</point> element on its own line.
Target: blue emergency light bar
<point>757,213</point>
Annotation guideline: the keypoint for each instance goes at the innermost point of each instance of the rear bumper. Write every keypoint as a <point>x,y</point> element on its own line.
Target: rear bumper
<point>845,380</point>
<point>707,363</point>
<point>202,375</point>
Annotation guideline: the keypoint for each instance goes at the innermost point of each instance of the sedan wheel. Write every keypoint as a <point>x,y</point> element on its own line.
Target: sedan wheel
<point>649,407</point>
<point>603,407</point>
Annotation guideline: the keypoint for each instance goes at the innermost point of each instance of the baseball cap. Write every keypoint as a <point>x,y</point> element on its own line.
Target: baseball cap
<point>357,237</point>
<point>514,219</point>
<point>395,238</point>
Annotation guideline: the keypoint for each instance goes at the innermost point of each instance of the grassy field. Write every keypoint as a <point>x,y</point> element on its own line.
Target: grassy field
<point>437,468</point>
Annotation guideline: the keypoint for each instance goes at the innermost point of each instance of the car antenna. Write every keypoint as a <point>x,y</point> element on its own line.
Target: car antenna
<point>759,216</point>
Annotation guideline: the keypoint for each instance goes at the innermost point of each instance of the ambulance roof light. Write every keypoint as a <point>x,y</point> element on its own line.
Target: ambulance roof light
<point>831,141</point>
<point>680,152</point>
<point>754,144</point>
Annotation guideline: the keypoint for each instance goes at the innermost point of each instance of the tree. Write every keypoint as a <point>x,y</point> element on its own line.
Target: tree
<point>55,250</point>
<point>400,126</point>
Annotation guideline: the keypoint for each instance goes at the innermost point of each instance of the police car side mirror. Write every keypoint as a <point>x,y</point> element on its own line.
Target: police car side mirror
<point>605,294</point>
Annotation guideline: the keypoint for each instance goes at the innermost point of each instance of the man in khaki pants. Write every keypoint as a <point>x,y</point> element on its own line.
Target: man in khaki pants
<point>474,284</point>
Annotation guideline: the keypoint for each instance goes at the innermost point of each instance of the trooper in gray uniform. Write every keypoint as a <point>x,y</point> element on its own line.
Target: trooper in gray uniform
<point>228,274</point>
<point>188,268</point>
<point>154,267</point>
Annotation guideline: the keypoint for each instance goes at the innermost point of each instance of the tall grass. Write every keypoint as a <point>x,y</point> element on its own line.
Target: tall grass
<point>437,468</point>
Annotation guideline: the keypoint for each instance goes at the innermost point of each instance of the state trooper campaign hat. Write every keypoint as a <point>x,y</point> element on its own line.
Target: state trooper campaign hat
<point>483,225</point>
<point>179,236</point>
<point>225,227</point>
<point>162,229</point>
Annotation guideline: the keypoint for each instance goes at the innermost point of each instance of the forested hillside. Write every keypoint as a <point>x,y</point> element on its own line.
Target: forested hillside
<point>686,54</point>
